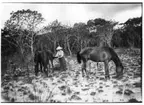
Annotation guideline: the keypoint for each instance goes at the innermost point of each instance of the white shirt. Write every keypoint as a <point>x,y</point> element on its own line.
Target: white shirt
<point>59,54</point>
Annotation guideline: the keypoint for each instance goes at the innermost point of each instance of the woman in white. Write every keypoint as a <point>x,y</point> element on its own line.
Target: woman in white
<point>60,55</point>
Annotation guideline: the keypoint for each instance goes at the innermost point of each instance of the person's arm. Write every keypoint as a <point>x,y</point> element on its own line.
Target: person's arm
<point>61,54</point>
<point>56,56</point>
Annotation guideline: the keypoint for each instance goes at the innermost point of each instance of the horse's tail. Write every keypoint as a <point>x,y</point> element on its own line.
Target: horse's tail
<point>78,57</point>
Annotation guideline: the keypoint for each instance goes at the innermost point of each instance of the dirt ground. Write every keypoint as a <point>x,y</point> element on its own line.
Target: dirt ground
<point>70,86</point>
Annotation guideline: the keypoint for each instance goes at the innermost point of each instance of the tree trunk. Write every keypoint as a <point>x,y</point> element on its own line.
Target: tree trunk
<point>54,46</point>
<point>32,53</point>
<point>109,43</point>
<point>22,53</point>
<point>108,38</point>
<point>32,50</point>
<point>65,45</point>
<point>69,48</point>
<point>81,45</point>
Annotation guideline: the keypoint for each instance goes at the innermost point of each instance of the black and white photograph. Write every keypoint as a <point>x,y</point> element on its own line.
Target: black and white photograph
<point>71,52</point>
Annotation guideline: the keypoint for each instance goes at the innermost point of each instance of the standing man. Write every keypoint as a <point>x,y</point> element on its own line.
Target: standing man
<point>60,55</point>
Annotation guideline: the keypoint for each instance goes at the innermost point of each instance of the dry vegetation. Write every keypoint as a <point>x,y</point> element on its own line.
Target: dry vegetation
<point>70,86</point>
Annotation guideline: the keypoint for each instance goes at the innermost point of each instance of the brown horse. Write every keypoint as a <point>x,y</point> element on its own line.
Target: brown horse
<point>42,59</point>
<point>100,54</point>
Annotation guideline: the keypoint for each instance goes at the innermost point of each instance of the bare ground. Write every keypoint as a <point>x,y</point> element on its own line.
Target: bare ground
<point>70,86</point>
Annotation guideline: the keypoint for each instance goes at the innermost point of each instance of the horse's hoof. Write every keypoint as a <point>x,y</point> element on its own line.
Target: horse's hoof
<point>119,77</point>
<point>107,77</point>
<point>87,77</point>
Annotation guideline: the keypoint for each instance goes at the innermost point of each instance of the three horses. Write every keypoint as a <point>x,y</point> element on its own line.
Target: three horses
<point>100,54</point>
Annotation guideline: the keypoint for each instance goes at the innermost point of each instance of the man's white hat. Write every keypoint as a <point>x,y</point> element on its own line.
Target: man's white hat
<point>59,48</point>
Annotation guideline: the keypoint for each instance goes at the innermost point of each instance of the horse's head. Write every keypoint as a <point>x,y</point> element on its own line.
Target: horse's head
<point>78,57</point>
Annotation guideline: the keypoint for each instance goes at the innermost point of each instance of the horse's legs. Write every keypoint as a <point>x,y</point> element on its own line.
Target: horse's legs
<point>84,68</point>
<point>46,71</point>
<point>52,65</point>
<point>41,67</point>
<point>36,69</point>
<point>106,70</point>
<point>49,67</point>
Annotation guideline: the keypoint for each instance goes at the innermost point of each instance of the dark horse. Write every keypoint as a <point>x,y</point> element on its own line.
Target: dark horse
<point>100,54</point>
<point>42,58</point>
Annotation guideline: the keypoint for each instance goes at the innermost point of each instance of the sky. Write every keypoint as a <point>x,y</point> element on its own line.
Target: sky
<point>69,14</point>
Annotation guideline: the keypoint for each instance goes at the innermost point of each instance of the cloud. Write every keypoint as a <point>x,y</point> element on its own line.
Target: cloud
<point>127,14</point>
<point>72,13</point>
<point>111,10</point>
<point>66,13</point>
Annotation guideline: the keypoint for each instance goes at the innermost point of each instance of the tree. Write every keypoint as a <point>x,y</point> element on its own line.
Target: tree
<point>130,34</point>
<point>81,33</point>
<point>8,45</point>
<point>117,38</point>
<point>67,34</point>
<point>23,23</point>
<point>55,28</point>
<point>133,31</point>
<point>102,28</point>
<point>60,35</point>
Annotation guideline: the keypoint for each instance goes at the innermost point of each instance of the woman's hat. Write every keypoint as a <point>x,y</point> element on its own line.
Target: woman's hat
<point>59,48</point>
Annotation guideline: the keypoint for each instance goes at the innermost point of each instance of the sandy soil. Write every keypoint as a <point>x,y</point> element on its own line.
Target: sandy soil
<point>70,86</point>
